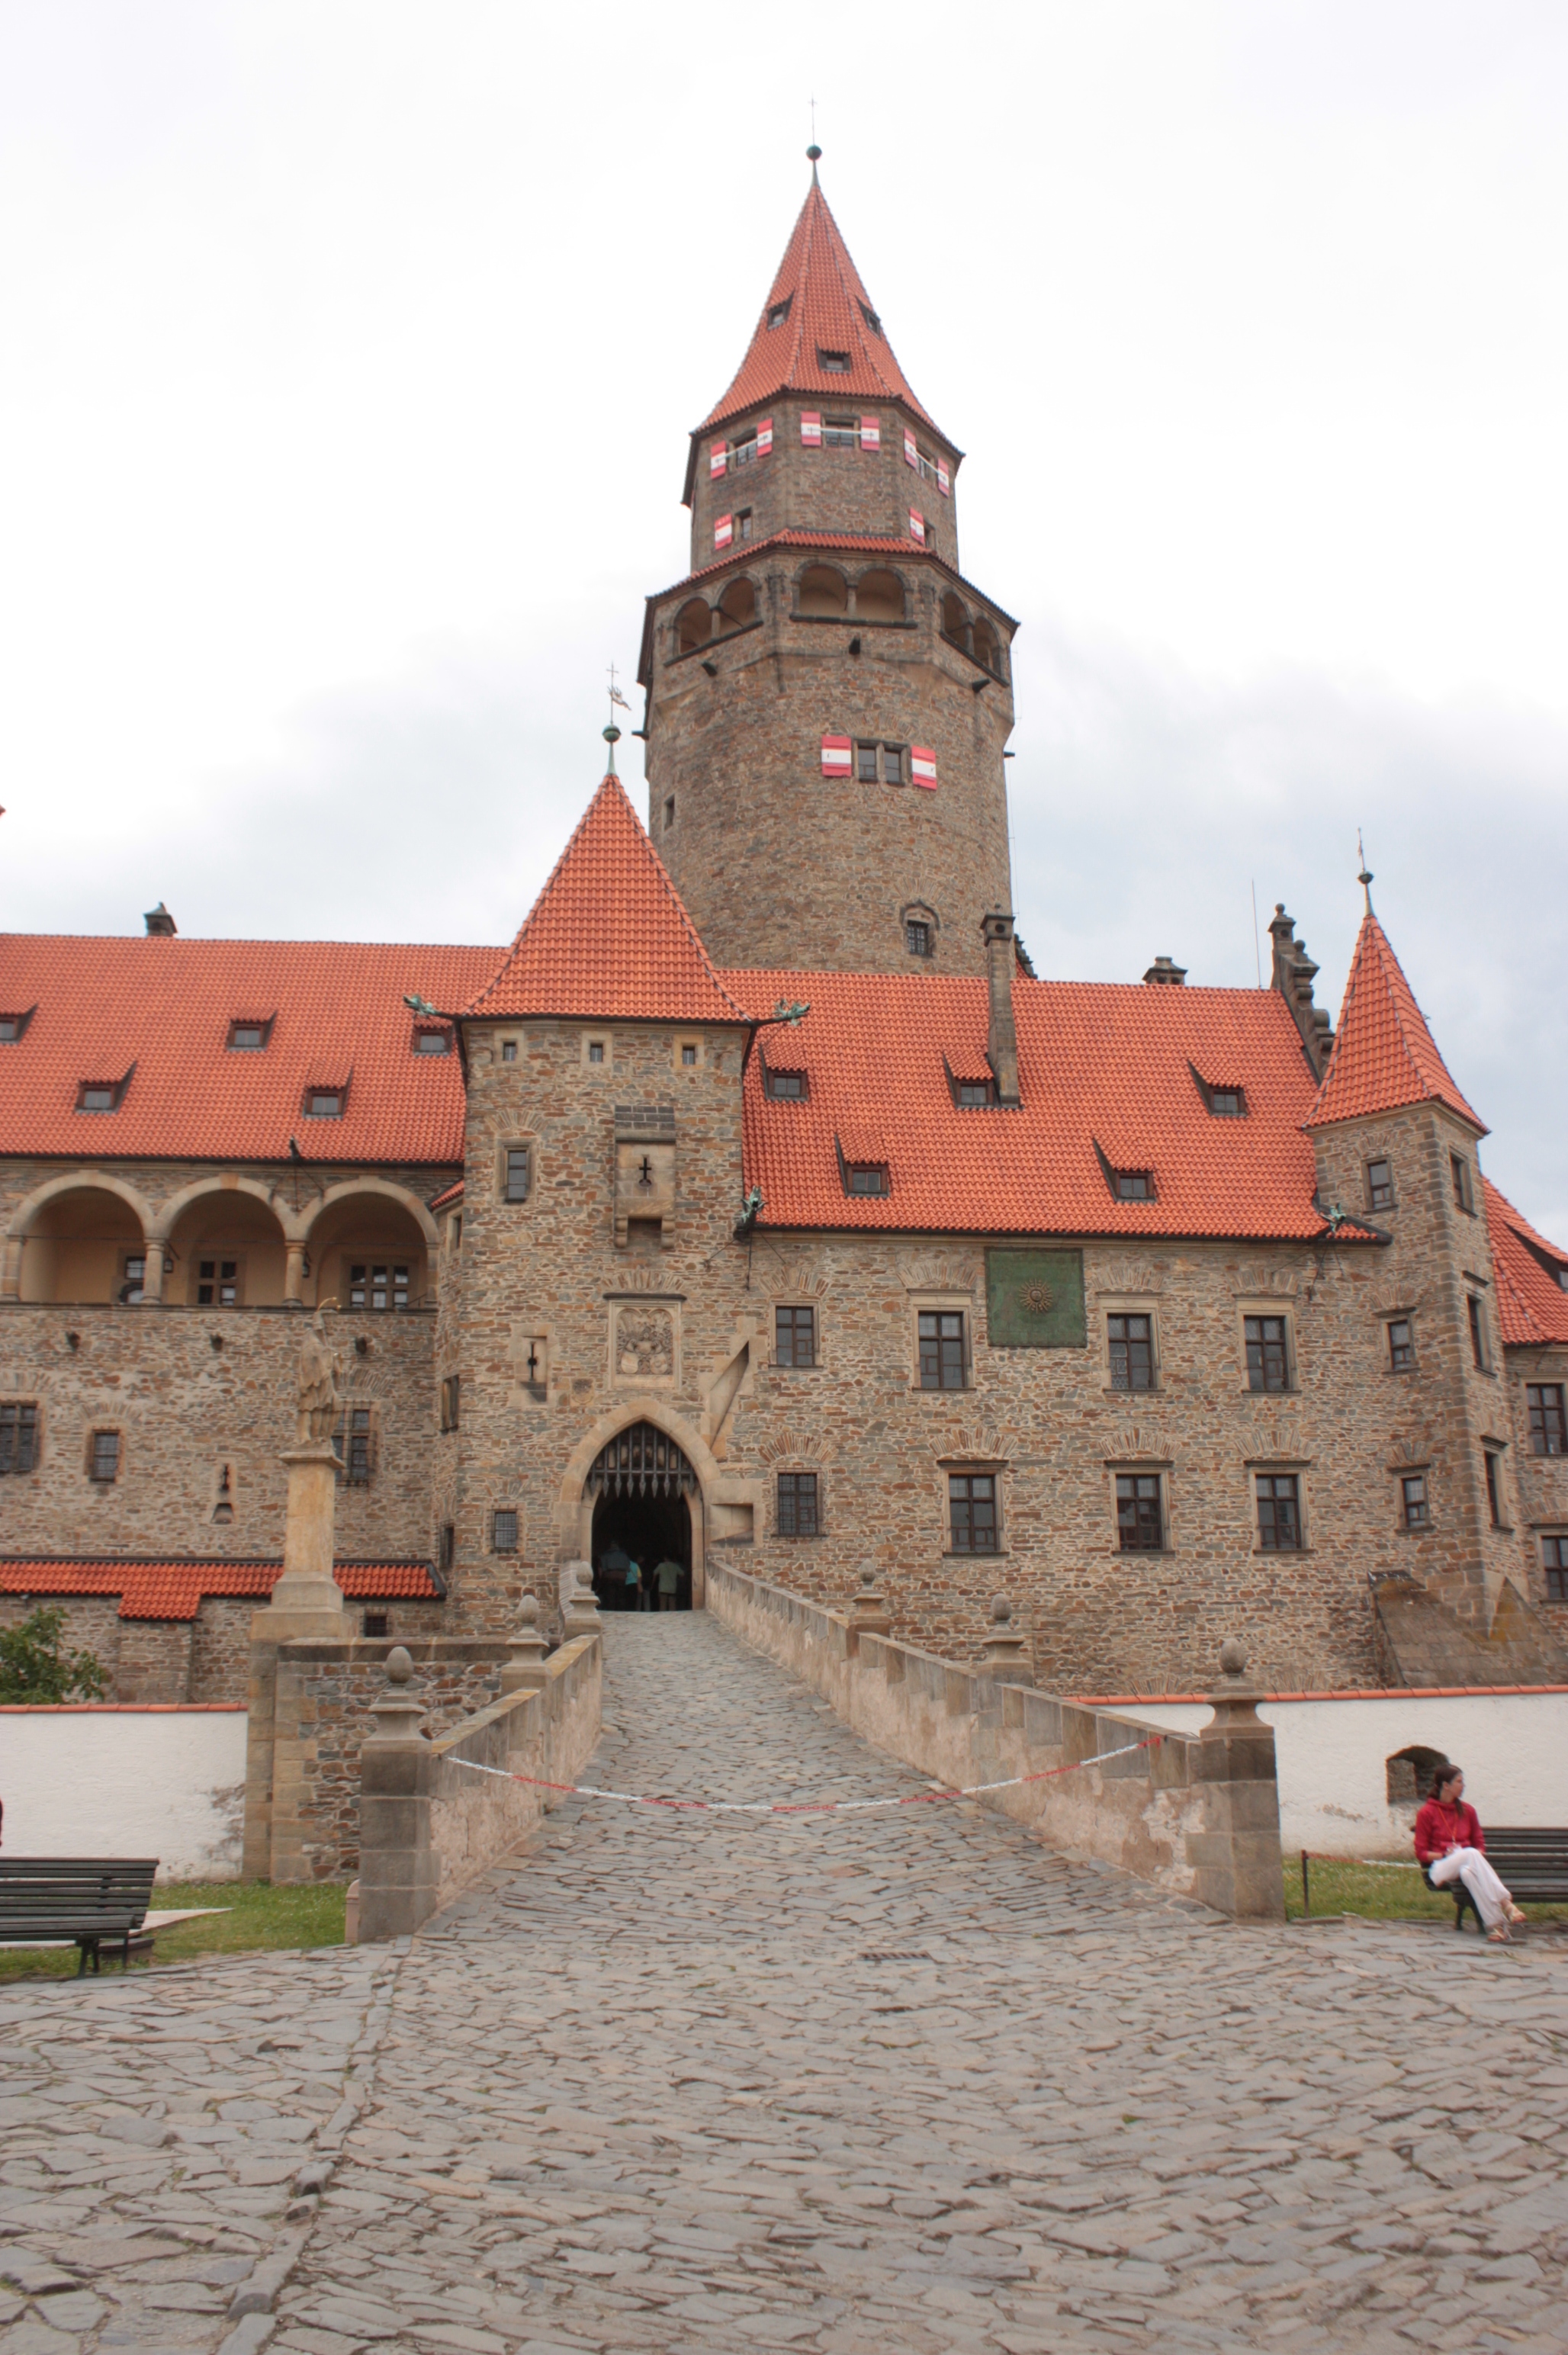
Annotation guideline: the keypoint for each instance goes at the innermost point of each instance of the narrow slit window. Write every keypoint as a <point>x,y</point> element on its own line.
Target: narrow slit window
<point>1494,1491</point>
<point>1477,1332</point>
<point>1464,1192</point>
<point>352,1439</point>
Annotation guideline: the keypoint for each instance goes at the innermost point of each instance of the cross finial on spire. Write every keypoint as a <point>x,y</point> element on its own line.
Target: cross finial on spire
<point>813,151</point>
<point>1365,878</point>
<point>611,733</point>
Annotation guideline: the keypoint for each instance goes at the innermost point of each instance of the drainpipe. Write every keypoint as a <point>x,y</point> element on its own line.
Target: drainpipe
<point>1001,1038</point>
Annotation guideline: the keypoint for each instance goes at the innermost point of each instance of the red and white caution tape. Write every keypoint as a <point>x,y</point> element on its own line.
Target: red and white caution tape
<point>803,1806</point>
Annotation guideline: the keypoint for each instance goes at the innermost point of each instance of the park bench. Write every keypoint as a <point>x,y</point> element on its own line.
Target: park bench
<point>1532,1864</point>
<point>96,1901</point>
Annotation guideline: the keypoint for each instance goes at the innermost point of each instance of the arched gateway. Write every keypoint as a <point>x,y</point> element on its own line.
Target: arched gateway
<point>641,1482</point>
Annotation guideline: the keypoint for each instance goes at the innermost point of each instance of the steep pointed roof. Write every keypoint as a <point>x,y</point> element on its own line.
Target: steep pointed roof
<point>828,310</point>
<point>1533,1293</point>
<point>608,939</point>
<point>1384,1055</point>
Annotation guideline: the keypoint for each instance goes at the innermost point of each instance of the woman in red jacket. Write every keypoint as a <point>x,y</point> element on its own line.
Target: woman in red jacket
<point>1450,1846</point>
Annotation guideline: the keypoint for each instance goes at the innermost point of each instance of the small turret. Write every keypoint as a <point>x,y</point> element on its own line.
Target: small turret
<point>1293,975</point>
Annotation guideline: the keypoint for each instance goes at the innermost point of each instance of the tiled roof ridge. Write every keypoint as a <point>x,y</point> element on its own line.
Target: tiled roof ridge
<point>157,944</point>
<point>611,803</point>
<point>1363,1075</point>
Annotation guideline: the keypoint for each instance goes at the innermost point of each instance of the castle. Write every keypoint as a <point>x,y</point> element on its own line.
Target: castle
<point>760,1197</point>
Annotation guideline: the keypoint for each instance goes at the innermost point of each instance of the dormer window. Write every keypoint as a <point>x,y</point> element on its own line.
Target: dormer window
<point>870,318</point>
<point>1226,1103</point>
<point>780,312</point>
<point>1134,1185</point>
<point>833,363</point>
<point>247,1038</point>
<point>12,1027</point>
<point>866,1178</point>
<point>788,1087</point>
<point>973,1092</point>
<point>324,1104</point>
<point>432,1042</point>
<point>101,1095</point>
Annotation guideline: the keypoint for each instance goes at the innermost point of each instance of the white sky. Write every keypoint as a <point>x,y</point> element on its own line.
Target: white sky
<point>348,353</point>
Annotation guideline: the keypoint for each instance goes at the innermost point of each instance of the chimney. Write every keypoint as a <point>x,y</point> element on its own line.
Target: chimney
<point>1001,1038</point>
<point>1165,969</point>
<point>1294,973</point>
<point>159,923</point>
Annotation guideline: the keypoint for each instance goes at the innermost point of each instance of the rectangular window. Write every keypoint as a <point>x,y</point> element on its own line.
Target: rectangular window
<point>1268,1360</point>
<point>1140,1524</point>
<point>509,1051</point>
<point>1554,1561</point>
<point>917,937</point>
<point>132,1278</point>
<point>324,1104</point>
<point>18,1435</point>
<point>794,1336</point>
<point>596,1050</point>
<point>504,1530</point>
<point>1132,1352</point>
<point>687,1056</point>
<point>971,1092</point>
<point>519,1170</point>
<point>247,1038</point>
<point>352,1442</point>
<point>1478,1331</point>
<point>95,1097</point>
<point>450,1399</point>
<point>797,1505</point>
<point>866,763</point>
<point>1279,1512</point>
<point>1548,1431</point>
<point>669,814</point>
<point>892,764</point>
<point>840,434</point>
<point>1380,1184</point>
<point>1400,1347</point>
<point>104,1462</point>
<point>1464,1194</point>
<point>1417,1505</point>
<point>431,1042</point>
<point>743,519</point>
<point>864,1178</point>
<point>218,1284</point>
<point>1134,1185</point>
<point>972,1511</point>
<point>788,1087</point>
<point>377,1285</point>
<point>1225,1103</point>
<point>376,1624</point>
<point>941,1348</point>
<point>1493,1492</point>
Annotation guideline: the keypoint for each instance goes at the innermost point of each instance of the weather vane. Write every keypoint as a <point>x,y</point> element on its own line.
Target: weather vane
<point>1365,878</point>
<point>611,733</point>
<point>813,151</point>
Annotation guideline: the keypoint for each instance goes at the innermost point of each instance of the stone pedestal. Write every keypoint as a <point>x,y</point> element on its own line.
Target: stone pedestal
<point>306,1604</point>
<point>1006,1649</point>
<point>525,1670</point>
<point>1237,1854</point>
<point>581,1614</point>
<point>869,1612</point>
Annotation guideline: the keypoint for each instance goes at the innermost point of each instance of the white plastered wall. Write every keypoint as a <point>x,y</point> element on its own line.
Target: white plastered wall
<point>107,1781</point>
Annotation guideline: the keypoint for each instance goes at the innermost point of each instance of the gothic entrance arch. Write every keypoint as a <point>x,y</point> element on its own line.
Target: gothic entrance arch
<point>641,1485</point>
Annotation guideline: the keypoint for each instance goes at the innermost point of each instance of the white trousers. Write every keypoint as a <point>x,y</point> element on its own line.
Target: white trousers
<point>1468,1865</point>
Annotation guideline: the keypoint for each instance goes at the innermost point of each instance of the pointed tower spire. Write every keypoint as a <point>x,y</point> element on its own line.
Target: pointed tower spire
<point>1384,1055</point>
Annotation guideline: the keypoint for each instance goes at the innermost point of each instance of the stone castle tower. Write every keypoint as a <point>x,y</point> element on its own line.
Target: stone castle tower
<point>827,698</point>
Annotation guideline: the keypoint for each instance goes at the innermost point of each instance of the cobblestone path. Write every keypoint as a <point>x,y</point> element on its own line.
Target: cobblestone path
<point>898,2081</point>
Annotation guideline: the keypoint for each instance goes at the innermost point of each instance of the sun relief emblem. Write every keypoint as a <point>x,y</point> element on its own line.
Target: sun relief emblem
<point>644,1344</point>
<point>1038,1298</point>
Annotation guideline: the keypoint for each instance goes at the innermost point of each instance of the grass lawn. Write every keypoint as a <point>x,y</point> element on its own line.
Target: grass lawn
<point>1381,1892</point>
<point>259,1916</point>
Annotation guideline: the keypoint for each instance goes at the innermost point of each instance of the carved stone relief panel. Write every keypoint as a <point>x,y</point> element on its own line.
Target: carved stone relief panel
<point>645,1343</point>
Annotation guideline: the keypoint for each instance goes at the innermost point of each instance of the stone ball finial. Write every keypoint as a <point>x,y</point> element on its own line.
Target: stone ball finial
<point>400,1666</point>
<point>529,1611</point>
<point>867,1576</point>
<point>1233,1656</point>
<point>1001,1610</point>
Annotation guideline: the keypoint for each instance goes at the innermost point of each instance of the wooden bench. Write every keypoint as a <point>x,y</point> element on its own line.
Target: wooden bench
<point>1532,1864</point>
<point>95,1902</point>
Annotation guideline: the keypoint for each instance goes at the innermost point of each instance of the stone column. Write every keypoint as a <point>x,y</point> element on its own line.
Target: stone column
<point>153,1275</point>
<point>294,1275</point>
<point>396,1862</point>
<point>11,1274</point>
<point>1237,1852</point>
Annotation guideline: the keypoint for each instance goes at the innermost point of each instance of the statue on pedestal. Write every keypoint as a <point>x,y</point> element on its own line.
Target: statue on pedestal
<point>316,1398</point>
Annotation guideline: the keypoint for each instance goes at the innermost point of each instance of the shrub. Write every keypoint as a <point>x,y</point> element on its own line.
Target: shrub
<point>34,1668</point>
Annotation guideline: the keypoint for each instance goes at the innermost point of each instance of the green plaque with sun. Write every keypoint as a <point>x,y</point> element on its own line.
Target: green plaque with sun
<point>1034,1300</point>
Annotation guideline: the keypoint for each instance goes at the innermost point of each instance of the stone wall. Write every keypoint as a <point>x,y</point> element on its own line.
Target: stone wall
<point>1195,1815</point>
<point>822,489</point>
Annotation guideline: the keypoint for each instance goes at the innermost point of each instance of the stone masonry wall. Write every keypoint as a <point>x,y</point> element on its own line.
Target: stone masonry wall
<point>824,489</point>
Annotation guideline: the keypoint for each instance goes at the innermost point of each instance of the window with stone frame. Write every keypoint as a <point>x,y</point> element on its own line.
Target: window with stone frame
<point>1477,1333</point>
<point>972,1512</point>
<point>1554,1563</point>
<point>446,1547</point>
<point>796,1505</point>
<point>354,1444</point>
<point>1267,1342</point>
<point>918,938</point>
<point>1401,1347</point>
<point>1140,1516</point>
<point>103,1457</point>
<point>795,1334</point>
<point>1494,1486</point>
<point>377,1285</point>
<point>18,1435</point>
<point>517,1172</point>
<point>450,1400</point>
<point>504,1530</point>
<point>1380,1186</point>
<point>1130,1339</point>
<point>1548,1428</point>
<point>943,1355</point>
<point>1279,1512</point>
<point>219,1280</point>
<point>1464,1188</point>
<point>1416,1502</point>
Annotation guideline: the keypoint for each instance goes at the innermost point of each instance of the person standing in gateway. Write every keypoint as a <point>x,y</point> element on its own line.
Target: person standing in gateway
<point>667,1578</point>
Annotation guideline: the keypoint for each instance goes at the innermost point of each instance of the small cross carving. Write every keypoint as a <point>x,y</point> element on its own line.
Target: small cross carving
<point>645,1172</point>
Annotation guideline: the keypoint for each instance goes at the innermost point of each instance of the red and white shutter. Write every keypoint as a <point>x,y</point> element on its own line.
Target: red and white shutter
<point>765,438</point>
<point>870,432</point>
<point>811,428</point>
<point>723,530</point>
<point>917,526</point>
<point>912,455</point>
<point>944,479</point>
<point>718,459</point>
<point>922,766</point>
<point>836,756</point>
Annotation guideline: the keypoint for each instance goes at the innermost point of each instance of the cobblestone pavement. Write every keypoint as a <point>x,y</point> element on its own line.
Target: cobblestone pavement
<point>889,2082</point>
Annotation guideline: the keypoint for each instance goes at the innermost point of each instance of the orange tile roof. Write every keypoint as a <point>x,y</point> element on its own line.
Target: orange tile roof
<point>444,1200</point>
<point>159,1010</point>
<point>828,308</point>
<point>1384,1054</point>
<point>1099,1063</point>
<point>608,939</point>
<point>169,1588</point>
<point>1532,1307</point>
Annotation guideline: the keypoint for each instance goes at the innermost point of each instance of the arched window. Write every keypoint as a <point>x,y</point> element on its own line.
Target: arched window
<point>738,605</point>
<point>1412,1775</point>
<point>880,597</point>
<point>954,620</point>
<point>85,1245</point>
<point>987,648</point>
<point>693,626</point>
<point>823,590</point>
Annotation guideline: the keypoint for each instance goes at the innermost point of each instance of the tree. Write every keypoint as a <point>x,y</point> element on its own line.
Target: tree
<point>34,1668</point>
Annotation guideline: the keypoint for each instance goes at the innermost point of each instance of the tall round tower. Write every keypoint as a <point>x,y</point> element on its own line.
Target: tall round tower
<point>828,697</point>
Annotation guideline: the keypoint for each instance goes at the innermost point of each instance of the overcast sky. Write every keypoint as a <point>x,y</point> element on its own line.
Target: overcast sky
<point>348,354</point>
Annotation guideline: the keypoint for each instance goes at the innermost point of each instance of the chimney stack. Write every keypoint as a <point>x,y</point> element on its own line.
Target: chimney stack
<point>1001,1038</point>
<point>159,923</point>
<point>1165,969</point>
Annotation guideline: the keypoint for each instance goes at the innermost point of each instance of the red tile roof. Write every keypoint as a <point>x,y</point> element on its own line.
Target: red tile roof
<point>159,1010</point>
<point>1384,1054</point>
<point>1098,1063</point>
<point>173,1589</point>
<point>444,1200</point>
<point>1532,1307</point>
<point>608,939</point>
<point>828,307</point>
